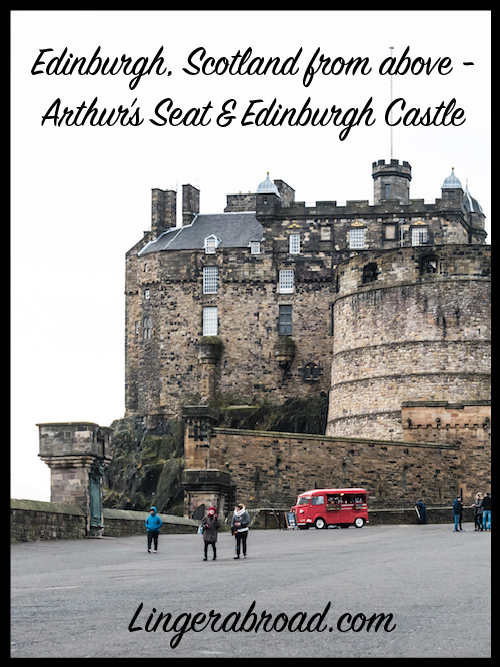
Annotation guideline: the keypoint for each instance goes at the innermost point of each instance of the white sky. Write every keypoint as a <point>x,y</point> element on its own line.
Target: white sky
<point>81,196</point>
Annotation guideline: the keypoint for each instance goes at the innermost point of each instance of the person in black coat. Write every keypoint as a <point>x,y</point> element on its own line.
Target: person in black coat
<point>457,511</point>
<point>478,512</point>
<point>239,528</point>
<point>210,526</point>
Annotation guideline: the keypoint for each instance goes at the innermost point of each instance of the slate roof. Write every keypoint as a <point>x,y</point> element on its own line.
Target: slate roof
<point>470,203</point>
<point>235,230</point>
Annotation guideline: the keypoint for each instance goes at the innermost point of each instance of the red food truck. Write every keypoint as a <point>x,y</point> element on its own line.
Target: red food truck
<point>331,507</point>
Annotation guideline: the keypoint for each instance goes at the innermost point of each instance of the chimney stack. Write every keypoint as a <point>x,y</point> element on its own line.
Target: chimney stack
<point>190,204</point>
<point>163,210</point>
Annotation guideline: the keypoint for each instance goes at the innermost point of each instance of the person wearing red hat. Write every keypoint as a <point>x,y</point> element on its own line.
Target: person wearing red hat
<point>210,525</point>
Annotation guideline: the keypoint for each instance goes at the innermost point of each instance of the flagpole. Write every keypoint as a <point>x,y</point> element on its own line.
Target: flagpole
<point>391,48</point>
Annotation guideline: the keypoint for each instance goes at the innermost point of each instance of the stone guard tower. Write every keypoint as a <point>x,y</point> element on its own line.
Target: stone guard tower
<point>77,454</point>
<point>203,485</point>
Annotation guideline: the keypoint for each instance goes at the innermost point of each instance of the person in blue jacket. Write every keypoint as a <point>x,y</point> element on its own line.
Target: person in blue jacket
<point>153,524</point>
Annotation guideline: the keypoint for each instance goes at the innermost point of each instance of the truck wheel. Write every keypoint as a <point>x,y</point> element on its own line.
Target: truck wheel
<point>320,523</point>
<point>359,522</point>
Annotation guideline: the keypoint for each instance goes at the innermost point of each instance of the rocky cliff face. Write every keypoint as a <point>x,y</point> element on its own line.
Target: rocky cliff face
<point>146,467</point>
<point>147,463</point>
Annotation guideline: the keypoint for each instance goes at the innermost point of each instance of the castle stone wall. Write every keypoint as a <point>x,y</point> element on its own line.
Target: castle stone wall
<point>269,469</point>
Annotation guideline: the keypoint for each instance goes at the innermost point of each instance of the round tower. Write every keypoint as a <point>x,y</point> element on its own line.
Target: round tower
<point>391,181</point>
<point>416,327</point>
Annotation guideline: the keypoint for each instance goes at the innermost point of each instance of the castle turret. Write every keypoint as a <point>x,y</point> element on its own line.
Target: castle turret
<point>451,190</point>
<point>391,181</point>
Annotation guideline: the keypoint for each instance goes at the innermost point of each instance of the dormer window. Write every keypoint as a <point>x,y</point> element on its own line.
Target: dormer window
<point>211,243</point>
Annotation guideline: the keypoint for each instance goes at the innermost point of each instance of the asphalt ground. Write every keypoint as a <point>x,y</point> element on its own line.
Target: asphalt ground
<point>379,591</point>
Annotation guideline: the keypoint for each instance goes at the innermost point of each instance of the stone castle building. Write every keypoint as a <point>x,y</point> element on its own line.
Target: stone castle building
<point>383,307</point>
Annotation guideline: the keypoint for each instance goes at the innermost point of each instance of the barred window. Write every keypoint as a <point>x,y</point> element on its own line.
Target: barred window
<point>285,320</point>
<point>286,281</point>
<point>210,327</point>
<point>294,244</point>
<point>210,279</point>
<point>147,327</point>
<point>357,238</point>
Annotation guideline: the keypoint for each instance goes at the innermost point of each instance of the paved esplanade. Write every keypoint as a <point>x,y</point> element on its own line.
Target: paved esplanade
<point>316,593</point>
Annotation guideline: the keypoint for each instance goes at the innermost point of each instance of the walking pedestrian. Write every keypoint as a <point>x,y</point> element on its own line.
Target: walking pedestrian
<point>478,511</point>
<point>487,512</point>
<point>153,524</point>
<point>421,511</point>
<point>457,508</point>
<point>210,525</point>
<point>239,528</point>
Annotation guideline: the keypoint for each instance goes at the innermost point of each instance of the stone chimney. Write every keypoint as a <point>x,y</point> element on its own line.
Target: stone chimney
<point>190,204</point>
<point>163,211</point>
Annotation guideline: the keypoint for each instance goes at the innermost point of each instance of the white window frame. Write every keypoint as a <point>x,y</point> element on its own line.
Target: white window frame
<point>210,321</point>
<point>286,281</point>
<point>357,238</point>
<point>294,244</point>
<point>210,279</point>
<point>255,247</point>
<point>419,235</point>
<point>211,243</point>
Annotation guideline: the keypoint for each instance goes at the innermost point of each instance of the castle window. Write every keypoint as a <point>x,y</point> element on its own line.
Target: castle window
<point>311,372</point>
<point>357,238</point>
<point>429,264</point>
<point>147,327</point>
<point>255,247</point>
<point>325,234</point>
<point>294,244</point>
<point>285,321</point>
<point>389,232</point>
<point>419,235</point>
<point>387,191</point>
<point>210,324</point>
<point>370,272</point>
<point>210,275</point>
<point>286,281</point>
<point>147,294</point>
<point>211,243</point>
